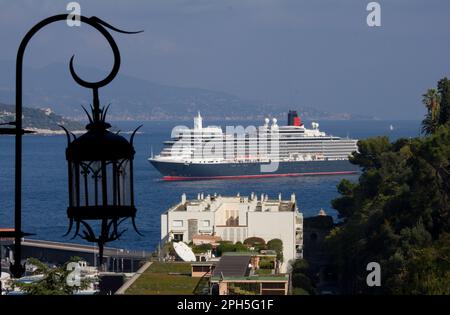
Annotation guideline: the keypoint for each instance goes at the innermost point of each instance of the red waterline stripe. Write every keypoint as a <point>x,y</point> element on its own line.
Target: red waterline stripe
<point>175,178</point>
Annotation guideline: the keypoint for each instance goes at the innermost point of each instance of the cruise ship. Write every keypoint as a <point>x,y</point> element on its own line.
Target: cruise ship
<point>266,151</point>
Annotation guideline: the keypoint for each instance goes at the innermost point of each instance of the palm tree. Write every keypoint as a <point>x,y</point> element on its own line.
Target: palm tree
<point>432,100</point>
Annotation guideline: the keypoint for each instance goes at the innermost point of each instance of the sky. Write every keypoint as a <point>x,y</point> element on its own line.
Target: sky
<point>315,53</point>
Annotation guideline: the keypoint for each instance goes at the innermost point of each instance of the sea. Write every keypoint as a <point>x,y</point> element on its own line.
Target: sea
<point>45,188</point>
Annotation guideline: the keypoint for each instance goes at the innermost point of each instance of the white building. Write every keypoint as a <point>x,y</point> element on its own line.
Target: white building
<point>237,218</point>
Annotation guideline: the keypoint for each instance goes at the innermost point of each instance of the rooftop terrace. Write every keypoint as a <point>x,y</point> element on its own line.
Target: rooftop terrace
<point>253,202</point>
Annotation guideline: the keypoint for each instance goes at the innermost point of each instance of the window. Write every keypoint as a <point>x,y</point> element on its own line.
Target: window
<point>201,268</point>
<point>205,223</point>
<point>177,223</point>
<point>178,237</point>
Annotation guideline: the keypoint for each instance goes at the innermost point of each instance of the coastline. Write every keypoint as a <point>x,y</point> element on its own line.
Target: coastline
<point>49,132</point>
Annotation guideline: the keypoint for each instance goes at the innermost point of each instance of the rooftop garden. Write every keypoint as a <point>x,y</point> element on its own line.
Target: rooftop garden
<point>166,278</point>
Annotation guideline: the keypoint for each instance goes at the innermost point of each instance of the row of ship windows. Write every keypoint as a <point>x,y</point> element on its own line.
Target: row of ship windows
<point>235,139</point>
<point>290,145</point>
<point>261,150</point>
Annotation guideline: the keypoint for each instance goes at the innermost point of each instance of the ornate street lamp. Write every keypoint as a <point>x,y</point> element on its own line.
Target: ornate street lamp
<point>116,161</point>
<point>100,167</point>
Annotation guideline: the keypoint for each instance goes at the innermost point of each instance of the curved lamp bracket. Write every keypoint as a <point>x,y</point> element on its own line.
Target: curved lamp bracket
<point>100,25</point>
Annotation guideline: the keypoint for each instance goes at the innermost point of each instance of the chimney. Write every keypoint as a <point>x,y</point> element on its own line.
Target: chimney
<point>279,197</point>
<point>198,124</point>
<point>183,198</point>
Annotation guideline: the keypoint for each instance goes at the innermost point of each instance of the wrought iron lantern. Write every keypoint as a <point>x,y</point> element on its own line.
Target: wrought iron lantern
<point>100,172</point>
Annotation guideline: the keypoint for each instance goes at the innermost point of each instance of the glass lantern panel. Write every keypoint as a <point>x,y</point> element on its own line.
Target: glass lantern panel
<point>91,179</point>
<point>89,183</point>
<point>123,182</point>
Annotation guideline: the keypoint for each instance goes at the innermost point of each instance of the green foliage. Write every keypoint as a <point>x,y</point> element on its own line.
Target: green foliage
<point>437,102</point>
<point>299,280</point>
<point>239,247</point>
<point>427,270</point>
<point>264,272</point>
<point>398,214</point>
<point>38,118</point>
<point>170,267</point>
<point>168,249</point>
<point>200,249</point>
<point>299,291</point>
<point>432,101</point>
<point>54,281</point>
<point>302,279</point>
<point>276,245</point>
<point>300,265</point>
<point>444,92</point>
<point>252,241</point>
<point>243,288</point>
<point>227,246</point>
<point>265,263</point>
<point>167,278</point>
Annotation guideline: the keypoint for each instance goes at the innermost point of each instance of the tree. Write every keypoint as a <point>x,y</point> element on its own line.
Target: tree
<point>437,103</point>
<point>276,245</point>
<point>255,242</point>
<point>427,271</point>
<point>432,100</point>
<point>301,278</point>
<point>300,265</point>
<point>397,214</point>
<point>444,91</point>
<point>54,281</point>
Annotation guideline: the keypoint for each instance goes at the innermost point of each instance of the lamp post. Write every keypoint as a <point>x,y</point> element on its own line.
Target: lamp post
<point>17,269</point>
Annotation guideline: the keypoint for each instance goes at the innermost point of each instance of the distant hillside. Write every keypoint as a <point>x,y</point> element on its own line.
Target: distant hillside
<point>137,99</point>
<point>40,120</point>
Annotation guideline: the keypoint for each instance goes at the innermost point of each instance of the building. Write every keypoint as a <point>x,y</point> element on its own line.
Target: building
<point>316,229</point>
<point>234,275</point>
<point>235,219</point>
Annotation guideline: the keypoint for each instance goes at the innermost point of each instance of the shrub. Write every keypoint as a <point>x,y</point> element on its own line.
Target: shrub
<point>299,280</point>
<point>276,245</point>
<point>227,246</point>
<point>203,248</point>
<point>266,264</point>
<point>254,241</point>
<point>239,247</point>
<point>300,266</point>
<point>264,271</point>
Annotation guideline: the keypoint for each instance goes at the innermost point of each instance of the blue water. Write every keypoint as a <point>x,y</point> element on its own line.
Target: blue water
<point>45,196</point>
